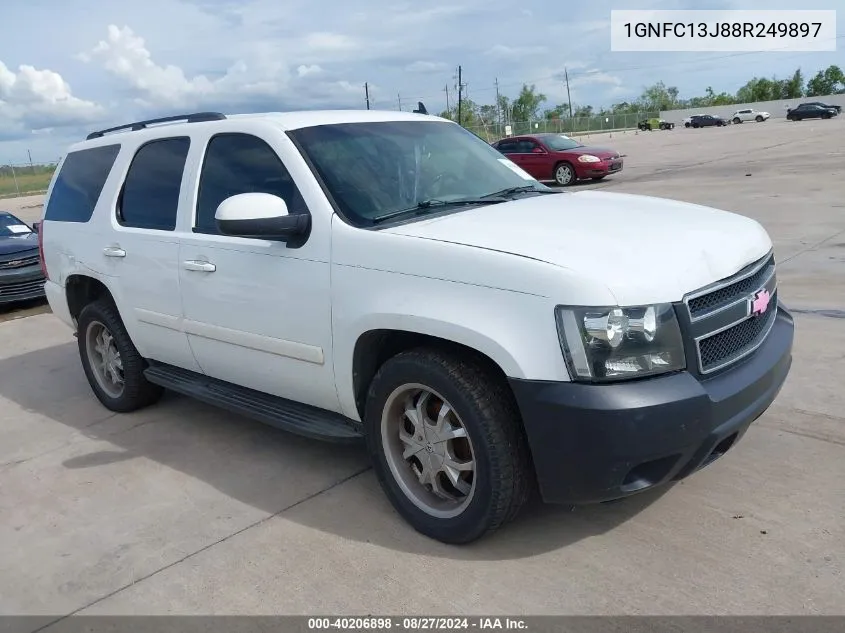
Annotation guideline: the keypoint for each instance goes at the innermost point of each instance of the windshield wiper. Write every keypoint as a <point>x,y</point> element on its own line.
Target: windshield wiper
<point>425,205</point>
<point>522,189</point>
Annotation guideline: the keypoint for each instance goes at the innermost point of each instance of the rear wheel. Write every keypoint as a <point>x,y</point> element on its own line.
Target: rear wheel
<point>112,364</point>
<point>738,120</point>
<point>446,445</point>
<point>564,174</point>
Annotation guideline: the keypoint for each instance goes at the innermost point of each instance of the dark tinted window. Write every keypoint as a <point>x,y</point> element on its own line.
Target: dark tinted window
<point>241,163</point>
<point>507,147</point>
<point>150,196</point>
<point>80,183</point>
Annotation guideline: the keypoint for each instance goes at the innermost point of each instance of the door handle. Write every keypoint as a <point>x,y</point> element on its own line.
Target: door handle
<point>204,267</point>
<point>114,251</point>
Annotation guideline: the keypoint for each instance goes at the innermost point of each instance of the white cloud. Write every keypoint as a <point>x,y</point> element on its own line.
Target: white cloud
<point>33,99</point>
<point>426,67</point>
<point>304,71</point>
<point>500,51</point>
<point>266,76</point>
<point>333,42</point>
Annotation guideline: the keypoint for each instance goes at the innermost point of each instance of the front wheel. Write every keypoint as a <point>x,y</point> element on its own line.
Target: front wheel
<point>564,174</point>
<point>446,445</point>
<point>759,119</point>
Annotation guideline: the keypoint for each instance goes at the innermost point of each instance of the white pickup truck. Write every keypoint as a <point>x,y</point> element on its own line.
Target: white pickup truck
<point>390,278</point>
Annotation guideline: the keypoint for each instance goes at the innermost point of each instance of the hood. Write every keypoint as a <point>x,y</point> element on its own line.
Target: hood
<point>18,243</point>
<point>642,249</point>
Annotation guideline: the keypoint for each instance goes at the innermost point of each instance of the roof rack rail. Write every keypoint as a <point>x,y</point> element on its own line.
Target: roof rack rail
<point>197,117</point>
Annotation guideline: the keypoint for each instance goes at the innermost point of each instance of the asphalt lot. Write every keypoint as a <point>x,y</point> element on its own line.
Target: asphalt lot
<point>185,509</point>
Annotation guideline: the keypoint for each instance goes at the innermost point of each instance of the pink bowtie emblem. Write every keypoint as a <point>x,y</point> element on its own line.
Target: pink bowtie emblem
<point>760,302</point>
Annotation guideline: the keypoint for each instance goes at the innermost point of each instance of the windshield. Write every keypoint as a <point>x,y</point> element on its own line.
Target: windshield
<point>373,170</point>
<point>559,143</point>
<point>10,225</point>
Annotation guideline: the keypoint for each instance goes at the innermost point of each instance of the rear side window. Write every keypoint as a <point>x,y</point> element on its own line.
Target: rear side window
<point>238,163</point>
<point>80,183</point>
<point>150,196</point>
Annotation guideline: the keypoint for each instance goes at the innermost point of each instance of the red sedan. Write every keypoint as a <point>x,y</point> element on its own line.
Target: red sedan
<point>558,158</point>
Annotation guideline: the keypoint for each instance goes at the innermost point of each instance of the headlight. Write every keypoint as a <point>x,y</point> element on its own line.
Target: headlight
<point>588,158</point>
<point>612,343</point>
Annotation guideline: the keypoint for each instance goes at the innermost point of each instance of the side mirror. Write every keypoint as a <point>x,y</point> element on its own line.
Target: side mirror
<point>36,226</point>
<point>261,216</point>
<point>538,150</point>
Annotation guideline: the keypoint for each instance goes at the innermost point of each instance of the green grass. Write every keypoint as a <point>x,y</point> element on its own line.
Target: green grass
<point>27,183</point>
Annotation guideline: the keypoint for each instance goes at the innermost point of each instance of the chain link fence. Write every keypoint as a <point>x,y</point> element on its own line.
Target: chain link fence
<point>25,179</point>
<point>577,125</point>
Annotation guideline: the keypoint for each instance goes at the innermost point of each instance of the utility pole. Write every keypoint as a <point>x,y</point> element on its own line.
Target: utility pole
<point>399,98</point>
<point>498,110</point>
<point>460,94</point>
<point>448,109</point>
<point>15,178</point>
<point>367,94</point>
<point>31,166</point>
<point>568,98</point>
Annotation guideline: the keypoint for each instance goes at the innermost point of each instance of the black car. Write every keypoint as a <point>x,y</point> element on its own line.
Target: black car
<point>706,120</point>
<point>810,111</point>
<point>822,104</point>
<point>21,277</point>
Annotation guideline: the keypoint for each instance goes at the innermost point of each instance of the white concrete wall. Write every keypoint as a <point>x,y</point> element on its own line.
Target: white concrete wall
<point>776,108</point>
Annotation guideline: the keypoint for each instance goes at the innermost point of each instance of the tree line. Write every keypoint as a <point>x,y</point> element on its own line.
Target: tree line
<point>528,104</point>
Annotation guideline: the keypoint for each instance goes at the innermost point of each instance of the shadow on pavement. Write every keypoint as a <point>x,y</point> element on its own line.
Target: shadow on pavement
<point>257,465</point>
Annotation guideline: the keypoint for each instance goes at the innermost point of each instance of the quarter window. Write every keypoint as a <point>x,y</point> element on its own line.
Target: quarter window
<point>80,183</point>
<point>150,196</point>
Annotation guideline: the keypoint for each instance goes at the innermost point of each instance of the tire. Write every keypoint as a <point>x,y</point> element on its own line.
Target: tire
<point>135,392</point>
<point>759,119</point>
<point>560,170</point>
<point>502,479</point>
<point>686,124</point>
<point>737,120</point>
<point>826,115</point>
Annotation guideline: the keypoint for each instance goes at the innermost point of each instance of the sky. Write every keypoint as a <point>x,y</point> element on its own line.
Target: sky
<point>70,67</point>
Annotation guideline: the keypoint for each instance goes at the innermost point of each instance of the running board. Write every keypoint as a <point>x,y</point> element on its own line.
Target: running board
<point>294,417</point>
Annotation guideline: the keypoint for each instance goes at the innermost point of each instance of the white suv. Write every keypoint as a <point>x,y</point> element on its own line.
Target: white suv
<point>389,277</point>
<point>741,116</point>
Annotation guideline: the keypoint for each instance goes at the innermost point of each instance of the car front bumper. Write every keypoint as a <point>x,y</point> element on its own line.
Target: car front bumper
<point>21,284</point>
<point>604,168</point>
<point>595,443</point>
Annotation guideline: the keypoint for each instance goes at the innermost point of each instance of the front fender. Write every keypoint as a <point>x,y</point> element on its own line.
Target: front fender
<point>515,330</point>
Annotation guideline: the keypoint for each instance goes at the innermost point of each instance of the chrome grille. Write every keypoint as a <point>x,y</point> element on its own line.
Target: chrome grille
<point>702,304</point>
<point>727,346</point>
<point>18,262</point>
<point>722,320</point>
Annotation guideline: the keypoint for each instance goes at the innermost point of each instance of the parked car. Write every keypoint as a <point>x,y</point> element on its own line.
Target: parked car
<point>706,120</point>
<point>749,114</point>
<point>391,279</point>
<point>655,124</point>
<point>810,111</point>
<point>559,158</point>
<point>822,104</point>
<point>688,120</point>
<point>21,277</point>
